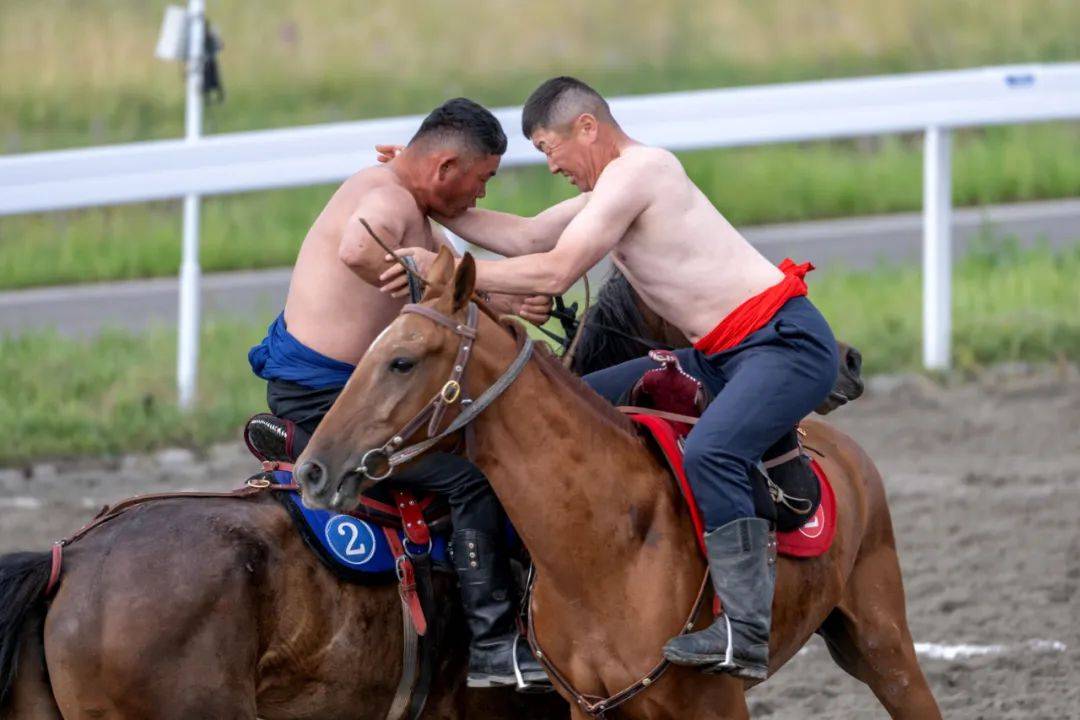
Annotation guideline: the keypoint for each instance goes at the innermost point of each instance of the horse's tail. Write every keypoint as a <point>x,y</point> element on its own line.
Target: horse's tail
<point>23,579</point>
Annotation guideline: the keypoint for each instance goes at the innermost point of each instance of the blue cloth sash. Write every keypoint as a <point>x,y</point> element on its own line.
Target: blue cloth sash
<point>280,356</point>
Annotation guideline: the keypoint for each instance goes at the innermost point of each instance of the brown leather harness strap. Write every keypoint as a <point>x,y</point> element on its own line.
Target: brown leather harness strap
<point>662,414</point>
<point>410,600</point>
<point>57,564</point>
<point>254,486</point>
<point>391,453</point>
<point>433,411</point>
<point>595,706</point>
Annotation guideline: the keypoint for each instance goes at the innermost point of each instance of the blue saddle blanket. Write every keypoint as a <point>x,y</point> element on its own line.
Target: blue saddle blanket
<point>354,549</point>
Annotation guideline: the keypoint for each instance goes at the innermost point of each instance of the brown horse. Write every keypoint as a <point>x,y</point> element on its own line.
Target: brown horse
<point>214,608</point>
<point>617,566</point>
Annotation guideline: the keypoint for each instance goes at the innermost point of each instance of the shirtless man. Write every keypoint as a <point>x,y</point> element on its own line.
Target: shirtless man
<point>759,344</point>
<point>334,311</point>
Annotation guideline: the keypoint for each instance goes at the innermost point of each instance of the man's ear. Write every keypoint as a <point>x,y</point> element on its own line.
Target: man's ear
<point>587,126</point>
<point>446,165</point>
<point>464,281</point>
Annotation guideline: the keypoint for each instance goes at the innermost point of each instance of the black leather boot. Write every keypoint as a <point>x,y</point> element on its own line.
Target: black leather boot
<point>275,439</point>
<point>498,655</point>
<point>742,562</point>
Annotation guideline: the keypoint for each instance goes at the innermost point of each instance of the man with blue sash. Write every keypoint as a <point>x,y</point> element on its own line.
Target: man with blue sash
<point>334,311</point>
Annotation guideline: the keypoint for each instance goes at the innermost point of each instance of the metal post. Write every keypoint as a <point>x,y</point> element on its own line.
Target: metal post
<point>187,356</point>
<point>937,249</point>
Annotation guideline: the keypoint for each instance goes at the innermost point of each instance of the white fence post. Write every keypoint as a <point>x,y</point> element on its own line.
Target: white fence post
<point>937,248</point>
<point>187,352</point>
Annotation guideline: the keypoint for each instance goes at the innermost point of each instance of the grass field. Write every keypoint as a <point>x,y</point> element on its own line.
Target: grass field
<point>116,393</point>
<point>81,73</point>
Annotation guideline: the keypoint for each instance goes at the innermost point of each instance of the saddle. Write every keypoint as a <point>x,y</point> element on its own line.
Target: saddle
<point>787,483</point>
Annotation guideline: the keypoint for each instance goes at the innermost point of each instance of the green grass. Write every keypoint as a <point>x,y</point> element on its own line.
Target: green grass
<point>1009,304</point>
<point>116,393</point>
<point>82,73</point>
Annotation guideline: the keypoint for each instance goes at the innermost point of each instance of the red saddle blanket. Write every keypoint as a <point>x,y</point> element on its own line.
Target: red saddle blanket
<point>811,540</point>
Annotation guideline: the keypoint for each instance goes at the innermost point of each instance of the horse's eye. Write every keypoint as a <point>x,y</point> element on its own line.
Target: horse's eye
<point>401,365</point>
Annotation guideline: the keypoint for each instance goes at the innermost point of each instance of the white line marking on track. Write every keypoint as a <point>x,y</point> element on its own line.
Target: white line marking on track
<point>21,503</point>
<point>936,651</point>
<point>966,651</point>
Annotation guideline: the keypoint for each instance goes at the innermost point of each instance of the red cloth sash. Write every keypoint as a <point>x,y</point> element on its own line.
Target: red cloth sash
<point>753,314</point>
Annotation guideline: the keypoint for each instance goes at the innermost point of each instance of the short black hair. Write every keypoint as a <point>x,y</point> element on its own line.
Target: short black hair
<point>560,100</point>
<point>466,121</point>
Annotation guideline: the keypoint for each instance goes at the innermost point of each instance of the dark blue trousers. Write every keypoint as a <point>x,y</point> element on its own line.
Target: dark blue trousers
<point>763,387</point>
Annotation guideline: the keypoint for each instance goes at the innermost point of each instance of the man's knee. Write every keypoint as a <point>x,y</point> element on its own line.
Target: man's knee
<point>702,462</point>
<point>720,481</point>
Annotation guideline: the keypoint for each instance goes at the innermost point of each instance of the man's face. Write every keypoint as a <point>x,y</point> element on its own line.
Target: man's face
<point>461,181</point>
<point>567,155</point>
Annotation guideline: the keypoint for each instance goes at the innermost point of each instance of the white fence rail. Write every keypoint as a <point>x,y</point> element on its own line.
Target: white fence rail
<point>933,103</point>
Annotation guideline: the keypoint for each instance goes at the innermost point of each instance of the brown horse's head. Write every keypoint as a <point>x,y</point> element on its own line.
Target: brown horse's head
<point>397,377</point>
<point>849,382</point>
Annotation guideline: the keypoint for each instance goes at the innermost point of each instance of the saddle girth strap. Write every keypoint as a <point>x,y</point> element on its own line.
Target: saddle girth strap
<point>421,641</point>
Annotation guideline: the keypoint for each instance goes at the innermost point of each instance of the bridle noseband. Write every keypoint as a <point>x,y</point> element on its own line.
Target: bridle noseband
<point>391,453</point>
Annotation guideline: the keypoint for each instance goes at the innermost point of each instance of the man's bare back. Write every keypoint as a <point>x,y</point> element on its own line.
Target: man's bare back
<point>331,307</point>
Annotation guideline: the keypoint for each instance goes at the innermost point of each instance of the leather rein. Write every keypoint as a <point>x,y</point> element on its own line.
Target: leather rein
<point>391,453</point>
<point>595,706</point>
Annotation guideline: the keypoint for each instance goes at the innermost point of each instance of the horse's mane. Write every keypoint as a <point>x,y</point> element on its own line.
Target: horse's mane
<point>615,307</point>
<point>553,370</point>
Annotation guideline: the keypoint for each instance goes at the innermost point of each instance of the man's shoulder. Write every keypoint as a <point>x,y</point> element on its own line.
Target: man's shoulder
<point>649,156</point>
<point>641,159</point>
<point>637,169</point>
<point>377,186</point>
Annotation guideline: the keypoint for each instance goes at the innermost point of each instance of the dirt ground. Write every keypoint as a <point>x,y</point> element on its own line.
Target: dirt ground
<point>984,483</point>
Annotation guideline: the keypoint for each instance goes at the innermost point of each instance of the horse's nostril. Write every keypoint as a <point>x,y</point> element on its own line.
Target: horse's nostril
<point>312,475</point>
<point>854,361</point>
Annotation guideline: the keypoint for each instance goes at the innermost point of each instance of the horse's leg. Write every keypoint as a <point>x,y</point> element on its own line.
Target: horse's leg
<point>867,634</point>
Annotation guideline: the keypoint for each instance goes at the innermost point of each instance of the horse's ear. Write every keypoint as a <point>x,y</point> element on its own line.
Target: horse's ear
<point>464,281</point>
<point>440,274</point>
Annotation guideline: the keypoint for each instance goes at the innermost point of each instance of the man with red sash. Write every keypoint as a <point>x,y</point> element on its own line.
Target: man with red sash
<point>759,344</point>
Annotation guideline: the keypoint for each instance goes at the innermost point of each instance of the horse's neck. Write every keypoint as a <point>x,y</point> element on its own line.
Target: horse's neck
<point>578,487</point>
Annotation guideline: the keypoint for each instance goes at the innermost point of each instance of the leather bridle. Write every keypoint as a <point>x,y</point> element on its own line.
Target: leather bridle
<point>391,453</point>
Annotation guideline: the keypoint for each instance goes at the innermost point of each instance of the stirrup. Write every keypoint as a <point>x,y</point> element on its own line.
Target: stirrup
<point>523,686</point>
<point>728,664</point>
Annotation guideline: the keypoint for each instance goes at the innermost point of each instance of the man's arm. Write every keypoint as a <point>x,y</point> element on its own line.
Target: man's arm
<point>513,235</point>
<point>385,210</point>
<point>535,308</point>
<point>621,194</point>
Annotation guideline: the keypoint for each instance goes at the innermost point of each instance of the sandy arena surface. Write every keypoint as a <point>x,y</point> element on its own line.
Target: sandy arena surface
<point>984,484</point>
